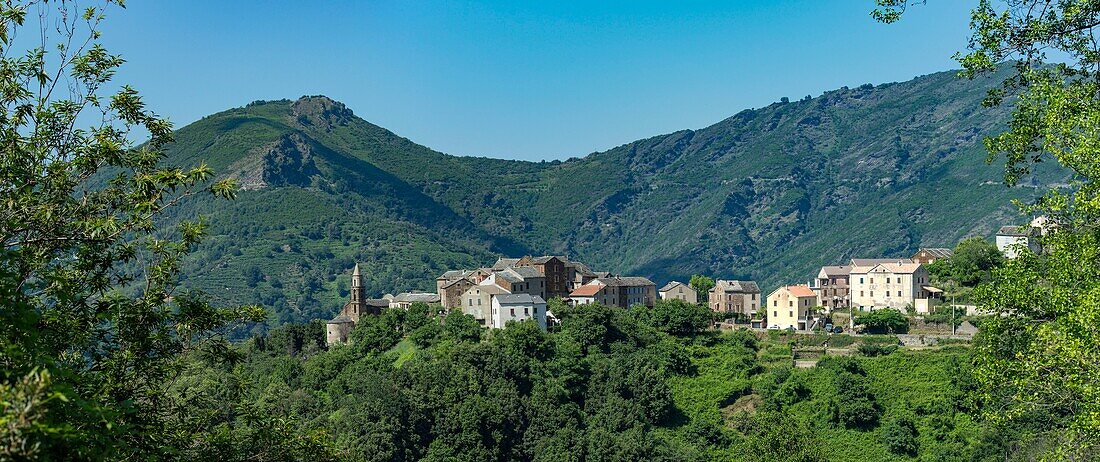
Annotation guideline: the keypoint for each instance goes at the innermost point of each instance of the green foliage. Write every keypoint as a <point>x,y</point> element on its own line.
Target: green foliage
<point>1037,359</point>
<point>971,262</point>
<point>93,331</point>
<point>900,436</point>
<point>675,317</point>
<point>883,321</point>
<point>871,349</point>
<point>702,285</point>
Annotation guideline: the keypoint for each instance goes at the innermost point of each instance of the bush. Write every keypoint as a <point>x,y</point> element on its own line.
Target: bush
<point>876,350</point>
<point>884,321</point>
<point>900,436</point>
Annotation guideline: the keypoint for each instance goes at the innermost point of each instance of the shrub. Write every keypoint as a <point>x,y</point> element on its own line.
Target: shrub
<point>900,436</point>
<point>884,322</point>
<point>876,350</point>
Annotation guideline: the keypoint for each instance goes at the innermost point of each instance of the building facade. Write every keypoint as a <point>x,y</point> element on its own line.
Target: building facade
<point>518,307</point>
<point>730,296</point>
<point>676,290</point>
<point>833,287</point>
<point>1012,240</point>
<point>894,285</point>
<point>791,306</point>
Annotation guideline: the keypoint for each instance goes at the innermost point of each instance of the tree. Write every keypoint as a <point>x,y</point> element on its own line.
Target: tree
<point>92,331</point>
<point>1041,350</point>
<point>884,321</point>
<point>676,317</point>
<point>900,435</point>
<point>702,285</point>
<point>973,260</point>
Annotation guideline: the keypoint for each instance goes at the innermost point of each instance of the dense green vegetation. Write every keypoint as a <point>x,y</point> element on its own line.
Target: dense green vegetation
<point>769,194</point>
<point>607,384</point>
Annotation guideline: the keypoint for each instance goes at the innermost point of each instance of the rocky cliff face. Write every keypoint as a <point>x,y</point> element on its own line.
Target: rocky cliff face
<point>288,161</point>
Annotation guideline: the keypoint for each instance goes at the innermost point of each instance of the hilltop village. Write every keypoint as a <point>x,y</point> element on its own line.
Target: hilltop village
<point>517,289</point>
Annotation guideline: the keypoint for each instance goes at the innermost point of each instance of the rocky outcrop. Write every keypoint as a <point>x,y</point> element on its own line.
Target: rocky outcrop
<point>320,112</point>
<point>288,161</point>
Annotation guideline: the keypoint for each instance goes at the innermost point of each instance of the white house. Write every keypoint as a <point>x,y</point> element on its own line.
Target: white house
<point>518,307</point>
<point>1011,240</point>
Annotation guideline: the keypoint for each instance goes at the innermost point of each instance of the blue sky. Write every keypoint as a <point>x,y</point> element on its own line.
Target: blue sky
<point>522,80</point>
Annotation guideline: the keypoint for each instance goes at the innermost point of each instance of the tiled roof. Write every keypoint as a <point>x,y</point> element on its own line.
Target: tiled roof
<point>582,268</point>
<point>342,319</point>
<point>626,281</point>
<point>457,281</point>
<point>1018,231</point>
<point>417,297</point>
<point>801,291</point>
<point>746,287</point>
<point>503,263</point>
<point>510,275</point>
<point>519,299</point>
<point>840,270</point>
<point>453,274</point>
<point>377,302</point>
<point>937,252</point>
<point>672,285</point>
<point>905,267</point>
<point>586,290</point>
<point>877,261</point>
<point>491,289</point>
<point>527,272</point>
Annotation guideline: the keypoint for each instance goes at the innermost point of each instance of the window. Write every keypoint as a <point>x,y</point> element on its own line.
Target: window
<point>861,280</point>
<point>887,280</point>
<point>479,302</point>
<point>899,293</point>
<point>775,314</point>
<point>775,303</point>
<point>790,314</point>
<point>790,302</point>
<point>470,302</point>
<point>753,297</point>
<point>872,280</point>
<point>861,293</point>
<point>526,312</point>
<point>872,293</point>
<point>513,310</point>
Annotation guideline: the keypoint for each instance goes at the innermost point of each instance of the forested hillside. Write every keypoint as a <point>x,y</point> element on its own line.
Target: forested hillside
<point>768,194</point>
<point>611,384</point>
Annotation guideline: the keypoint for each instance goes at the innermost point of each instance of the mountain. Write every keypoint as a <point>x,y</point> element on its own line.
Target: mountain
<point>768,194</point>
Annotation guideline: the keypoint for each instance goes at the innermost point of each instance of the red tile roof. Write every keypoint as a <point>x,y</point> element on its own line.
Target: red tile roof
<point>587,290</point>
<point>801,291</point>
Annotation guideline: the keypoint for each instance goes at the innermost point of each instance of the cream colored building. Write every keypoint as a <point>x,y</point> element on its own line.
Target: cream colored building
<point>790,306</point>
<point>897,284</point>
<point>676,290</point>
<point>477,301</point>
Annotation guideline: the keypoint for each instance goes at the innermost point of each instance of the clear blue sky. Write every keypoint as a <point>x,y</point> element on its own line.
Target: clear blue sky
<point>523,80</point>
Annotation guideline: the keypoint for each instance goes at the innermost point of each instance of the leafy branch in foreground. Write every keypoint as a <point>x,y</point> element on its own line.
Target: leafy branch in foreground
<point>91,331</point>
<point>1038,359</point>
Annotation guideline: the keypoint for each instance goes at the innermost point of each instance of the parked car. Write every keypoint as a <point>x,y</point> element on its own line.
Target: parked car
<point>838,330</point>
<point>829,327</point>
<point>773,327</point>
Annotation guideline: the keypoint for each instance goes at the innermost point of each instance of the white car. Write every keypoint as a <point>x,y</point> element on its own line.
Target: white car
<point>773,327</point>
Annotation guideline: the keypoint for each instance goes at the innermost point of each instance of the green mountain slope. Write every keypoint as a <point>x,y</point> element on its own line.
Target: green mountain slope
<point>768,194</point>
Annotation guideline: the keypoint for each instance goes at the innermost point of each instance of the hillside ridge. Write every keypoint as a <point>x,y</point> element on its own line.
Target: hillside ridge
<point>767,194</point>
